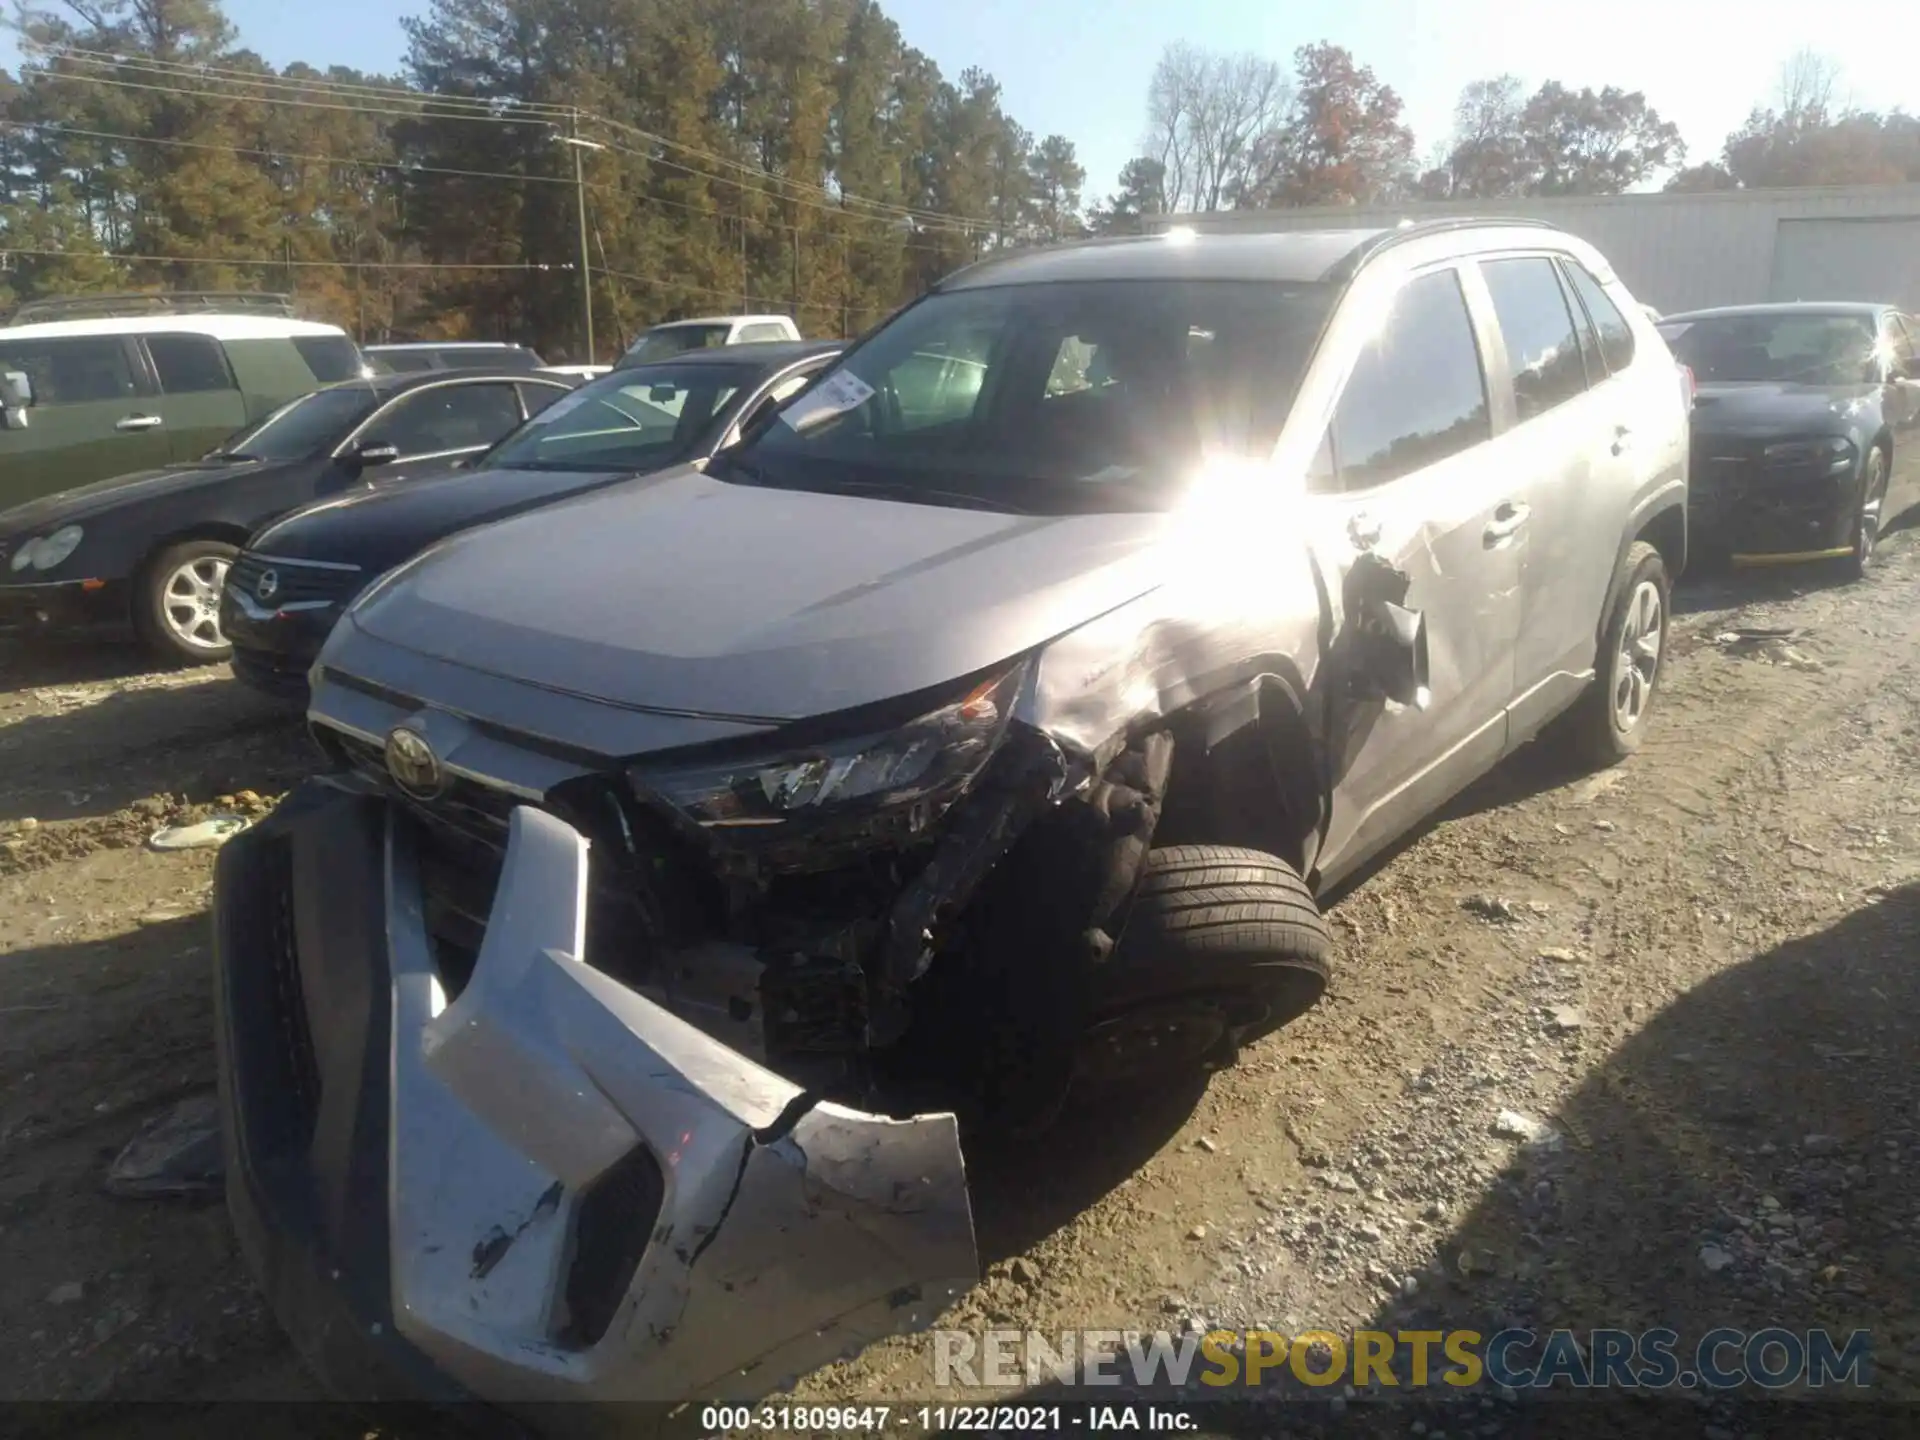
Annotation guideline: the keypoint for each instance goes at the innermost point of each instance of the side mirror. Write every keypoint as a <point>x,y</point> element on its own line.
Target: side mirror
<point>367,456</point>
<point>16,398</point>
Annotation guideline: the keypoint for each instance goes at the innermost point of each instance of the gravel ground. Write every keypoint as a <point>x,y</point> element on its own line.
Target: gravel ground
<point>1623,1050</point>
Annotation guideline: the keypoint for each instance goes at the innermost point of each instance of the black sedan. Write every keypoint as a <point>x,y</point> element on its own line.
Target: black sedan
<point>152,550</point>
<point>1806,428</point>
<point>295,577</point>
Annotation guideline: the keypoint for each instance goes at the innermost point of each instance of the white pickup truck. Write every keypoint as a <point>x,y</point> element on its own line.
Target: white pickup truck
<point>663,342</point>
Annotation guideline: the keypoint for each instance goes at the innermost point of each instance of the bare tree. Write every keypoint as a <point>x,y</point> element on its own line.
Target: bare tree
<point>1173,97</point>
<point>1208,118</point>
<point>1808,82</point>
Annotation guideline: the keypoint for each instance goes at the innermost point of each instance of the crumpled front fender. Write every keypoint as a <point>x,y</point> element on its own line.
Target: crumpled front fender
<point>789,1232</point>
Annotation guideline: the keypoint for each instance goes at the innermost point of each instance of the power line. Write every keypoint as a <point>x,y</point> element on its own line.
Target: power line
<point>491,119</point>
<point>57,127</point>
<point>60,128</point>
<point>291,91</point>
<point>278,262</point>
<point>289,82</point>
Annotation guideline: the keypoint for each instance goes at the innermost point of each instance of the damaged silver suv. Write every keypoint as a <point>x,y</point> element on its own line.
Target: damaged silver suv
<point>977,733</point>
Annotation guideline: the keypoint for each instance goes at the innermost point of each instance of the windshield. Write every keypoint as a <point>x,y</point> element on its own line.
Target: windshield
<point>631,420</point>
<point>1807,349</point>
<point>1070,397</point>
<point>308,426</point>
<point>671,340</point>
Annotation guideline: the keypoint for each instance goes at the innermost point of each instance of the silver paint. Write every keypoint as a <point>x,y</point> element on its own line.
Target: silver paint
<point>783,1243</point>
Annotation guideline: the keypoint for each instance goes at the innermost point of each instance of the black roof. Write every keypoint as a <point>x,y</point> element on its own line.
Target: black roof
<point>443,345</point>
<point>763,355</point>
<point>405,380</point>
<point>1865,308</point>
<point>1287,256</point>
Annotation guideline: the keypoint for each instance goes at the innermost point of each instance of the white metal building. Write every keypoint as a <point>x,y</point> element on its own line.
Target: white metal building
<point>1682,252</point>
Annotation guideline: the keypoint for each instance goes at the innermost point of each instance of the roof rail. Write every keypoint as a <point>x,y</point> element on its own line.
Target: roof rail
<point>1419,230</point>
<point>158,302</point>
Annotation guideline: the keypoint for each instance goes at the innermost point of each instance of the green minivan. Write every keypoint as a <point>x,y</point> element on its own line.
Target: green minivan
<point>100,395</point>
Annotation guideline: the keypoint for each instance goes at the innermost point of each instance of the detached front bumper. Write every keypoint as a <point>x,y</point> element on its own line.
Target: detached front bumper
<point>64,606</point>
<point>545,1187</point>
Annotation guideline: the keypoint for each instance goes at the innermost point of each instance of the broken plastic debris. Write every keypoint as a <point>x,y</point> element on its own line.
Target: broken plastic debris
<point>206,835</point>
<point>176,1156</point>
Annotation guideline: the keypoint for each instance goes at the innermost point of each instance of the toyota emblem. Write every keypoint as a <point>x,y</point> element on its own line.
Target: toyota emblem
<point>267,586</point>
<point>412,763</point>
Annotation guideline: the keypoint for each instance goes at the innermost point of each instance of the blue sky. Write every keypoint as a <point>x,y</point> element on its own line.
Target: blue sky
<point>1080,67</point>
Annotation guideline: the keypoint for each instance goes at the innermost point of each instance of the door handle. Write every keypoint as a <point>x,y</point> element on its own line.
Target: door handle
<point>1364,531</point>
<point>140,422</point>
<point>1506,522</point>
<point>1622,439</point>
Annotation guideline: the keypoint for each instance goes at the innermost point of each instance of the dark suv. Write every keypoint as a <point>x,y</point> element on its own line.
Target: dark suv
<point>978,732</point>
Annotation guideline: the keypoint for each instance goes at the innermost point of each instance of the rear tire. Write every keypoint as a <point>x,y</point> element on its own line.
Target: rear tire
<point>1609,721</point>
<point>1221,946</point>
<point>176,602</point>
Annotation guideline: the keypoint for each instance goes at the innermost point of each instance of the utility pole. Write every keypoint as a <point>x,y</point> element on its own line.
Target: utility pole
<point>573,142</point>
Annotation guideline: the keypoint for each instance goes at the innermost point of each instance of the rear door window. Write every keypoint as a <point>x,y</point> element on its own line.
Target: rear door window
<point>446,418</point>
<point>537,397</point>
<point>1616,335</point>
<point>330,357</point>
<point>1417,394</point>
<point>1543,353</point>
<point>73,370</point>
<point>189,364</point>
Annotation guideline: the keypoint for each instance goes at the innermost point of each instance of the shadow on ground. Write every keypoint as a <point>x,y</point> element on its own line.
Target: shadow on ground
<point>96,758</point>
<point>25,663</point>
<point>1023,1192</point>
<point>1746,1160</point>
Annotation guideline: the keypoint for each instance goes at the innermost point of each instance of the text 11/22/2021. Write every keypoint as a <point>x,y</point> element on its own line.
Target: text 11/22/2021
<point>995,1419</point>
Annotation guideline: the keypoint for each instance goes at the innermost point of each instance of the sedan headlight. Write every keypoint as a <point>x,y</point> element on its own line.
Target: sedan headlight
<point>44,552</point>
<point>929,758</point>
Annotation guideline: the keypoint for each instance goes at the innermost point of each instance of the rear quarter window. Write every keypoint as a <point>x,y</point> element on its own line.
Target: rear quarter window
<point>1616,335</point>
<point>329,357</point>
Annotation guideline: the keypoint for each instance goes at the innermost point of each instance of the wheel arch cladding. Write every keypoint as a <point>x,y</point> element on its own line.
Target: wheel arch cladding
<point>1666,531</point>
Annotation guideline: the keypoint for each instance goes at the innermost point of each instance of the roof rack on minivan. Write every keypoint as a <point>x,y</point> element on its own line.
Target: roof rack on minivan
<point>174,302</point>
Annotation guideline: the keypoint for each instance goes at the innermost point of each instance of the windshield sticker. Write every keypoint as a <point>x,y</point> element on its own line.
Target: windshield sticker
<point>835,395</point>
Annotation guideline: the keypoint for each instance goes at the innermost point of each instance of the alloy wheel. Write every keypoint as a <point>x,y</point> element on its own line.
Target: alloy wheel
<point>1637,666</point>
<point>190,602</point>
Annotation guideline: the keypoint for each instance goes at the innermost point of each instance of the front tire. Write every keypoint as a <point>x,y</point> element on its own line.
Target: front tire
<point>1221,946</point>
<point>176,602</point>
<point>1866,525</point>
<point>1609,721</point>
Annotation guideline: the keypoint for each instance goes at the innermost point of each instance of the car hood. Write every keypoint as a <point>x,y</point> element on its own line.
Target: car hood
<point>1766,407</point>
<point>49,512</point>
<point>378,528</point>
<point>682,593</point>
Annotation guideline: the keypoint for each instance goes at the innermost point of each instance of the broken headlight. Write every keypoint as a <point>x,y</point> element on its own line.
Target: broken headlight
<point>929,758</point>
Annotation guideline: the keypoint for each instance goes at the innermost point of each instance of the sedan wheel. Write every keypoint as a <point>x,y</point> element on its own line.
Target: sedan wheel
<point>177,605</point>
